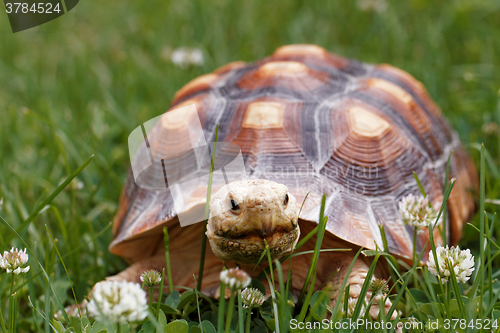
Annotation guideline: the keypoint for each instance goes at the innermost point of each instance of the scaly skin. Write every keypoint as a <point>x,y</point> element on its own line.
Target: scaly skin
<point>244,215</point>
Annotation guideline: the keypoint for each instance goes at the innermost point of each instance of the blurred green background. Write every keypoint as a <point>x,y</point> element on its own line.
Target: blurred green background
<point>78,85</point>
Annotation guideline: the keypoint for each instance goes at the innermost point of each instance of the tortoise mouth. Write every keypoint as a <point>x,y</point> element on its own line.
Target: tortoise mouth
<point>248,249</point>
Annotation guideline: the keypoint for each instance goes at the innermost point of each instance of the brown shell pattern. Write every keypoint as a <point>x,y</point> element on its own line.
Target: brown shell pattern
<point>320,123</point>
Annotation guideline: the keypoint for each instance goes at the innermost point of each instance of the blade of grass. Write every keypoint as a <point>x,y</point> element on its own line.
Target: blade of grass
<point>197,302</point>
<point>346,300</point>
<point>429,292</point>
<point>49,266</point>
<point>221,309</point>
<point>303,202</point>
<point>307,301</point>
<point>343,286</point>
<point>47,307</point>
<point>261,275</point>
<point>283,297</point>
<point>421,188</point>
<point>166,240</point>
<point>491,241</point>
<point>489,159</point>
<point>12,306</point>
<point>364,288</point>
<point>155,322</point>
<point>391,261</point>
<point>447,175</point>
<point>405,284</point>
<point>482,184</point>
<point>30,303</point>
<point>2,323</point>
<point>322,250</point>
<point>488,265</point>
<point>75,237</point>
<point>230,309</point>
<point>289,273</point>
<point>51,197</point>
<point>162,282</point>
<point>493,301</point>
<point>275,307</point>
<point>241,314</point>
<point>62,225</point>
<point>65,270</point>
<point>488,255</point>
<point>447,193</point>
<point>268,253</point>
<point>307,237</point>
<point>207,209</point>
<point>456,289</point>
<point>319,241</point>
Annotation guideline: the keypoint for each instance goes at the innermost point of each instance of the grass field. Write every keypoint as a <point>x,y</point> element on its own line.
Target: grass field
<point>77,86</point>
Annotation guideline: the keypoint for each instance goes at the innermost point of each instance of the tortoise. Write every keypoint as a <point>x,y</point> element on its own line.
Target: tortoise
<point>308,123</point>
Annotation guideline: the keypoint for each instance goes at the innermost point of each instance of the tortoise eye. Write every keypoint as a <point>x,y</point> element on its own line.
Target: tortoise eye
<point>234,205</point>
<point>285,202</point>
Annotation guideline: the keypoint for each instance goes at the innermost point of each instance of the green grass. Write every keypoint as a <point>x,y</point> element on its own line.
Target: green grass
<point>77,86</point>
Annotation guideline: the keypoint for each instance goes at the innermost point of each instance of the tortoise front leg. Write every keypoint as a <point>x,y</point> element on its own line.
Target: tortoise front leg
<point>134,271</point>
<point>356,279</point>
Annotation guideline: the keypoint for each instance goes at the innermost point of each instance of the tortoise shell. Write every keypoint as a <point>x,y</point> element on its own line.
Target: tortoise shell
<point>317,123</point>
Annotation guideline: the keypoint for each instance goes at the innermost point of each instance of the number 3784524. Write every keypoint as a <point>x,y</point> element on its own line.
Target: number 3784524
<point>36,8</point>
<point>487,324</point>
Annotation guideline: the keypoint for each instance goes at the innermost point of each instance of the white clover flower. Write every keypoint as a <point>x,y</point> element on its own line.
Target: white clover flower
<point>252,298</point>
<point>378,6</point>
<point>118,301</point>
<point>77,184</point>
<point>72,311</point>
<point>461,261</point>
<point>14,261</point>
<point>151,277</point>
<point>235,278</point>
<point>416,211</point>
<point>413,323</point>
<point>186,56</point>
<point>490,128</point>
<point>351,306</point>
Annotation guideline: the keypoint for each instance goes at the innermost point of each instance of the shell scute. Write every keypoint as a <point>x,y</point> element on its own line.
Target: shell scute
<point>317,123</point>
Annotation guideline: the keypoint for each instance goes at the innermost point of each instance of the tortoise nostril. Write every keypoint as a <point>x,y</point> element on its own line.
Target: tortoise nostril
<point>265,231</point>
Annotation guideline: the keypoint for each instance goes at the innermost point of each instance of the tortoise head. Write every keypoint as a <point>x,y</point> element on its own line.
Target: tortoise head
<point>244,215</point>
